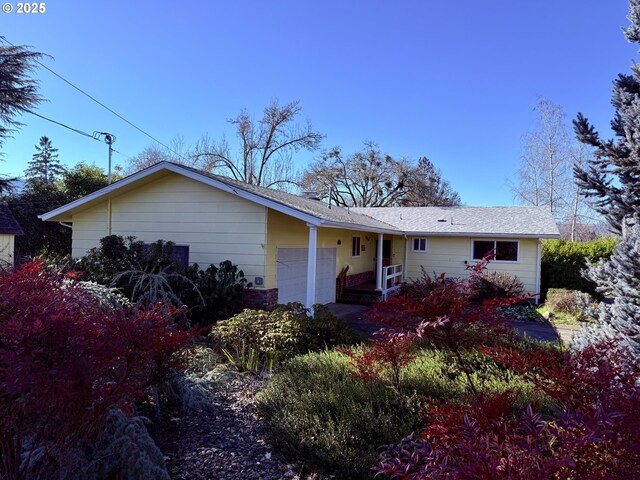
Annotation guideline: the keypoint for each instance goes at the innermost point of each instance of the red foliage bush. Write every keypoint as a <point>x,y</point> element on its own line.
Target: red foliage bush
<point>593,436</point>
<point>66,359</point>
<point>383,358</point>
<point>448,315</point>
<point>595,393</point>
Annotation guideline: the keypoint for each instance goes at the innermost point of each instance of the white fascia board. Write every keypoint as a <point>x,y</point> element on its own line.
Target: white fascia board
<point>194,176</point>
<point>424,233</point>
<point>103,191</point>
<point>362,228</point>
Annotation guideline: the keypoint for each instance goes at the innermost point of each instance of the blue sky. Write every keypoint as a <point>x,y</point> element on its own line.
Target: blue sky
<point>455,81</point>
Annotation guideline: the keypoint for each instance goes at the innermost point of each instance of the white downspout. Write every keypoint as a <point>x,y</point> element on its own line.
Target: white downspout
<point>379,263</point>
<point>311,266</point>
<point>108,216</point>
<point>538,270</point>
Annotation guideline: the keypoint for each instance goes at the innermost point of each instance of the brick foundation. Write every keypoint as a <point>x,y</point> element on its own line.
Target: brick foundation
<point>261,299</point>
<point>359,278</point>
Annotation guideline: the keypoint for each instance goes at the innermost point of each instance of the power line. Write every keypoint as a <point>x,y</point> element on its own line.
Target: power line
<point>72,129</point>
<point>98,102</point>
<point>62,125</point>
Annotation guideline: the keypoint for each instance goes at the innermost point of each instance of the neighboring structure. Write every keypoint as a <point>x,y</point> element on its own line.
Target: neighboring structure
<point>9,228</point>
<point>292,248</point>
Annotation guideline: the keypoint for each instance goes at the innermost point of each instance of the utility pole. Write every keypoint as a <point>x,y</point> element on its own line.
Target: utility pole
<point>109,139</point>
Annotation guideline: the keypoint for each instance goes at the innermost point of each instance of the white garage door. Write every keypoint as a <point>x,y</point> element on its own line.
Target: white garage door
<point>291,275</point>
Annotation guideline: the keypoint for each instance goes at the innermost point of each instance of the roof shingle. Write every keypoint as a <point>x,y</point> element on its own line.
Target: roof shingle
<point>482,221</point>
<point>8,224</point>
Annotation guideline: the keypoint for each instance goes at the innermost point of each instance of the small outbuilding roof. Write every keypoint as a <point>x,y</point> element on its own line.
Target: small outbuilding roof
<point>534,222</point>
<point>8,224</point>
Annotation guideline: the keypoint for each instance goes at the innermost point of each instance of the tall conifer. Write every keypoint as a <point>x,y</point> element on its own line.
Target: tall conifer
<point>612,182</point>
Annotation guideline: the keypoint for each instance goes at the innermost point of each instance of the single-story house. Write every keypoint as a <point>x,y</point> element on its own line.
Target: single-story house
<point>294,248</point>
<point>9,228</point>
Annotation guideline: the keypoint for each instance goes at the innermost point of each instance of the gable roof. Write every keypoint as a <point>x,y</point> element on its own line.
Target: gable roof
<point>535,222</point>
<point>331,214</point>
<point>8,224</point>
<point>313,212</point>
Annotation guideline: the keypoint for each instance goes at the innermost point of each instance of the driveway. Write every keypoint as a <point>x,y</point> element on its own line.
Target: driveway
<point>355,317</point>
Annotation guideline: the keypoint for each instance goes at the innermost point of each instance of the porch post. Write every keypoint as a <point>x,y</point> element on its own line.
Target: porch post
<point>311,266</point>
<point>379,263</point>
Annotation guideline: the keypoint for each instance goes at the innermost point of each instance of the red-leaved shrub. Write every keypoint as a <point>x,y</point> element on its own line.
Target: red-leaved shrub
<point>66,358</point>
<point>593,435</point>
<point>382,358</point>
<point>590,433</point>
<point>448,316</point>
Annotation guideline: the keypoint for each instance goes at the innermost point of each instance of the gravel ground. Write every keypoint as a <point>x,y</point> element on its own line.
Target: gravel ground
<point>223,441</point>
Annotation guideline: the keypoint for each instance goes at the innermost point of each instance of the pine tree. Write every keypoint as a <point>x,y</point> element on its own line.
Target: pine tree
<point>427,188</point>
<point>18,93</point>
<point>612,182</point>
<point>45,168</point>
<point>619,277</point>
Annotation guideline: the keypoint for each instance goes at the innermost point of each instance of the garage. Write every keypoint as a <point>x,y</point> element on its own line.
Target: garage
<point>291,275</point>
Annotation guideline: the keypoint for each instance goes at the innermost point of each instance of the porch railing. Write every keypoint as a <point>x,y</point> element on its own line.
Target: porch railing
<point>391,280</point>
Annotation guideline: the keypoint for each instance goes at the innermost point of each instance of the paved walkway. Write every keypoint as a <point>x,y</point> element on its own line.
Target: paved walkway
<point>355,316</point>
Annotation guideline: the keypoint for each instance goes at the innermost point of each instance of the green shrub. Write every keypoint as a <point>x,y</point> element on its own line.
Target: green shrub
<point>321,330</point>
<point>499,285</point>
<point>219,292</point>
<point>271,334</point>
<point>126,450</point>
<point>522,313</point>
<point>573,302</point>
<point>148,273</point>
<point>114,255</point>
<point>286,331</point>
<point>319,414</point>
<point>563,262</point>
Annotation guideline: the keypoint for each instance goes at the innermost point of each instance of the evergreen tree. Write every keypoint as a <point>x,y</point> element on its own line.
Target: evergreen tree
<point>620,277</point>
<point>18,93</point>
<point>45,168</point>
<point>427,188</point>
<point>612,182</point>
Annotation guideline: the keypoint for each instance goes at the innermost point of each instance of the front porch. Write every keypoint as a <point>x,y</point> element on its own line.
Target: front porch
<point>365,289</point>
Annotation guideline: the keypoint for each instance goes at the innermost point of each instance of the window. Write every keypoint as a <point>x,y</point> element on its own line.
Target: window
<point>504,250</point>
<point>355,247</point>
<point>419,244</point>
<point>179,253</point>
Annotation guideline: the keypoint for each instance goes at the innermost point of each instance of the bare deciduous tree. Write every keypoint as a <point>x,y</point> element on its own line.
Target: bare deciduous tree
<point>545,170</point>
<point>178,152</point>
<point>580,215</point>
<point>366,178</point>
<point>266,147</point>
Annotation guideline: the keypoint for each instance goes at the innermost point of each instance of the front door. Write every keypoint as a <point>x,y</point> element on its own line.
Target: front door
<point>386,252</point>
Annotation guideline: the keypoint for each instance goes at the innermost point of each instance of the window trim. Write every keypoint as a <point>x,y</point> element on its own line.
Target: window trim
<point>353,239</point>
<point>495,240</point>
<point>413,244</point>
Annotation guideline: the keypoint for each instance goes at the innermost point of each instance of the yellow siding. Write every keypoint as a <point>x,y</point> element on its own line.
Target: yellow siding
<point>216,225</point>
<point>284,231</point>
<point>6,251</point>
<point>449,254</point>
